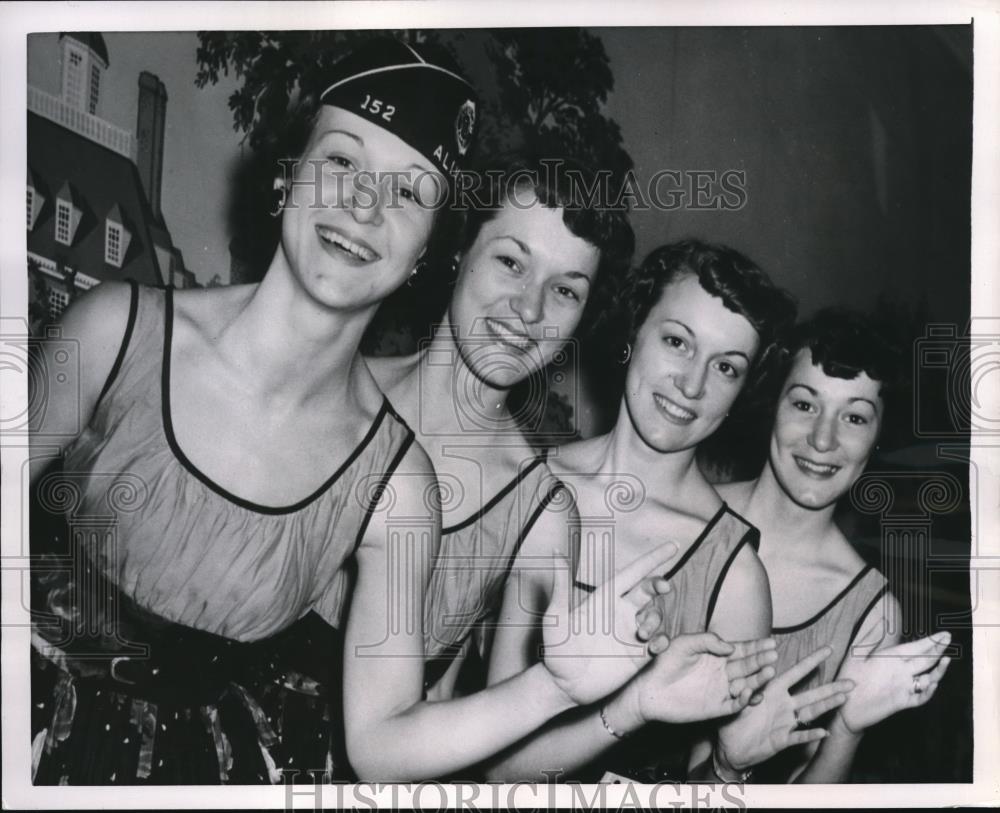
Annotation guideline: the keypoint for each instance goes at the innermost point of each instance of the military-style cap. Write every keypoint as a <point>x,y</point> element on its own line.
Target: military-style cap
<point>414,92</point>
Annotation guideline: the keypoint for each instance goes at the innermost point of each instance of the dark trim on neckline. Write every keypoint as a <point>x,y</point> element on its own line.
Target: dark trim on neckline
<point>833,602</point>
<point>723,509</point>
<point>503,492</point>
<point>168,430</point>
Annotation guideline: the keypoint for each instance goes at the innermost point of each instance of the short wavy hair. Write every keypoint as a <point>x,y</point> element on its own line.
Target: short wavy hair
<point>558,182</point>
<point>846,343</point>
<point>722,272</point>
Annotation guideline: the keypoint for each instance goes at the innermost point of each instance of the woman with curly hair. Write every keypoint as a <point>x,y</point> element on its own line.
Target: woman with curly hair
<point>537,264</point>
<point>840,374</point>
<point>703,321</point>
<point>269,474</point>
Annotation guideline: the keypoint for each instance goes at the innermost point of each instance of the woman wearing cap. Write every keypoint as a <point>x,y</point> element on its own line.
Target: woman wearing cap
<point>828,418</point>
<point>252,464</point>
<point>536,262</point>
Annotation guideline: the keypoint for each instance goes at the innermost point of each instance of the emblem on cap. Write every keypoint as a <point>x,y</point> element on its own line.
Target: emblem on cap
<point>465,123</point>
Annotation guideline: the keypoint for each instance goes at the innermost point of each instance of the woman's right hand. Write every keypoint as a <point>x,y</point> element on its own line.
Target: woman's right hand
<point>760,731</point>
<point>700,677</point>
<point>592,649</point>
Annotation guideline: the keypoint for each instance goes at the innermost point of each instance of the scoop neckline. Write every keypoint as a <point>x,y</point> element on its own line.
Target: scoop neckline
<point>719,514</point>
<point>496,498</point>
<point>185,461</point>
<point>829,606</point>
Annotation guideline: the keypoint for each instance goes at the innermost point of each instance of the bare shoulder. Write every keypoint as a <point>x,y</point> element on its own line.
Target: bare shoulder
<point>408,494</point>
<point>747,572</point>
<point>744,608</point>
<point>99,315</point>
<point>91,332</point>
<point>95,324</point>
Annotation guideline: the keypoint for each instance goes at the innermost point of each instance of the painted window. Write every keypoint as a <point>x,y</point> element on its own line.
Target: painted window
<point>64,216</point>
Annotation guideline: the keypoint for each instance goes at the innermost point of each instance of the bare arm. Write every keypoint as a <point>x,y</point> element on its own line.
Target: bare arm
<point>742,613</point>
<point>391,733</point>
<point>666,690</point>
<point>572,739</point>
<point>90,332</point>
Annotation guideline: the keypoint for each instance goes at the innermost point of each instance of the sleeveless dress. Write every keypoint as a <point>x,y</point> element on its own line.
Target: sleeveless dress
<point>658,752</point>
<point>470,572</point>
<point>160,597</point>
<point>836,626</point>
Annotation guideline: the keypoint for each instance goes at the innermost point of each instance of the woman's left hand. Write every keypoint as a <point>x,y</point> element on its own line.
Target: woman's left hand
<point>700,677</point>
<point>892,679</point>
<point>760,731</point>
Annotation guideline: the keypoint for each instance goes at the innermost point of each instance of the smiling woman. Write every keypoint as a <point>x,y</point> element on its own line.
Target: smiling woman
<point>247,412</point>
<point>267,482</point>
<point>529,265</point>
<point>701,320</point>
<point>828,419</point>
<point>336,218</point>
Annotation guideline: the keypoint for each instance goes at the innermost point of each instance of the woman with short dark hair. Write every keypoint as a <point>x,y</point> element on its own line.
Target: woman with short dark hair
<point>839,376</point>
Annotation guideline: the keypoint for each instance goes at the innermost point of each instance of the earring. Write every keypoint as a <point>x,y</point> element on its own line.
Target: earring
<point>625,356</point>
<point>279,199</point>
<point>418,269</point>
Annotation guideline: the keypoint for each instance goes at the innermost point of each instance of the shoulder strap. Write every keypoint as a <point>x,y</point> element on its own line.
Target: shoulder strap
<point>133,308</point>
<point>750,536</point>
<point>382,484</point>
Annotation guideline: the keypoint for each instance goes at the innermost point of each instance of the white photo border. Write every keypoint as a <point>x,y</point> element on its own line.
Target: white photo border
<point>18,20</point>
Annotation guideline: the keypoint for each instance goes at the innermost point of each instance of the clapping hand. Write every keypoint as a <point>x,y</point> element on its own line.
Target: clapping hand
<point>892,679</point>
<point>700,677</point>
<point>592,649</point>
<point>760,731</point>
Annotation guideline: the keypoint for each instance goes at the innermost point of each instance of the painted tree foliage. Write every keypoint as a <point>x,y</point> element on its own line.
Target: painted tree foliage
<point>552,85</point>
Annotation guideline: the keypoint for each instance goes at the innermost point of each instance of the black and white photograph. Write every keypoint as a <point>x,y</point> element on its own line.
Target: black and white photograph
<point>407,405</point>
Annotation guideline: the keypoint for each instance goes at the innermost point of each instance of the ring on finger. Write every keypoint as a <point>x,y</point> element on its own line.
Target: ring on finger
<point>798,720</point>
<point>917,687</point>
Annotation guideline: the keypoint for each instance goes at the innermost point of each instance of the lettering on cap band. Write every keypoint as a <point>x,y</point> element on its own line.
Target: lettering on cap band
<point>413,92</point>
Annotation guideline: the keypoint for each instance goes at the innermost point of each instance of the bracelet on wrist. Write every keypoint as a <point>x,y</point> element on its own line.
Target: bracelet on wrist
<point>607,727</point>
<point>743,776</point>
